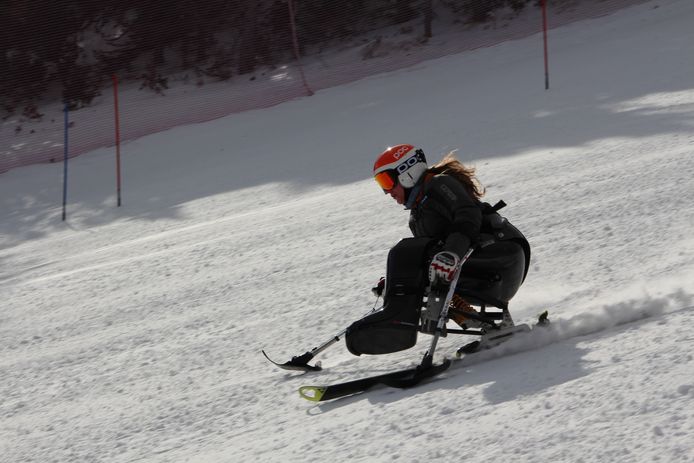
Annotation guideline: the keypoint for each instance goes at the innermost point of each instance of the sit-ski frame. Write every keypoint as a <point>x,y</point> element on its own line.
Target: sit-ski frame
<point>301,362</point>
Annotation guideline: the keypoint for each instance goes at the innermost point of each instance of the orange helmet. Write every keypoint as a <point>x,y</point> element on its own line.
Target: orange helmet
<point>399,164</point>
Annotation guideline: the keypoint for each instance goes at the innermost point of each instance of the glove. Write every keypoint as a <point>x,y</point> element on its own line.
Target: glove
<point>378,289</point>
<point>443,266</point>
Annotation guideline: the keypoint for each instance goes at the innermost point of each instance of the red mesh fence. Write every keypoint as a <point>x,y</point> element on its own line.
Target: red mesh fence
<point>26,140</point>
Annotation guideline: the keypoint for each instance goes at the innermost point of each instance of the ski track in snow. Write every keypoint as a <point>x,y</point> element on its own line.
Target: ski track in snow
<point>135,334</point>
<point>538,386</point>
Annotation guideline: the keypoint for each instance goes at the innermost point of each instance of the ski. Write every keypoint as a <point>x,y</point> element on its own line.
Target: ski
<point>412,376</point>
<point>399,379</point>
<point>299,363</point>
<point>494,338</point>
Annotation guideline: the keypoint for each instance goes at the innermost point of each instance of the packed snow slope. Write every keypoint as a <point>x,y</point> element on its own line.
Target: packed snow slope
<point>134,333</point>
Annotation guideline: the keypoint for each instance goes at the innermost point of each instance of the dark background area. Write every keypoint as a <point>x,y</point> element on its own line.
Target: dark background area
<point>68,50</point>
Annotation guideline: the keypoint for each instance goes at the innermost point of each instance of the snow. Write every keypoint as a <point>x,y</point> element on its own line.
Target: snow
<point>134,333</point>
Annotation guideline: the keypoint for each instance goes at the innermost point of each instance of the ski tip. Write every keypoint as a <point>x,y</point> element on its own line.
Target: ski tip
<point>312,393</point>
<point>469,348</point>
<point>268,357</point>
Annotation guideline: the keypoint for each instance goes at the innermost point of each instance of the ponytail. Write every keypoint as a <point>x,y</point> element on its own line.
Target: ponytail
<point>449,165</point>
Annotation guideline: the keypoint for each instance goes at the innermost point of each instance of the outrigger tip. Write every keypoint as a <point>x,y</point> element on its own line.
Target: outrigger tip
<point>312,393</point>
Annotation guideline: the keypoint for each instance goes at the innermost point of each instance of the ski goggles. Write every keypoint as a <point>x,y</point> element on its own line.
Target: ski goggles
<point>386,180</point>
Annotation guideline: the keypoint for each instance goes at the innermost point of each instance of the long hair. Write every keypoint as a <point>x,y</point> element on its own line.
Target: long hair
<point>449,165</point>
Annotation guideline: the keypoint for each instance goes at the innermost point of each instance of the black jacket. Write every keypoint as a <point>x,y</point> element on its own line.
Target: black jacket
<point>448,213</point>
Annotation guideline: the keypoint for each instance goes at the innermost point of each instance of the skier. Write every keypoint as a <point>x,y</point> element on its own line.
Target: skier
<point>447,217</point>
<point>455,235</point>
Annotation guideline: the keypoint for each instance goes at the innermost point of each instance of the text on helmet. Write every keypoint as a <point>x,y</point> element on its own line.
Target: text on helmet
<point>400,151</point>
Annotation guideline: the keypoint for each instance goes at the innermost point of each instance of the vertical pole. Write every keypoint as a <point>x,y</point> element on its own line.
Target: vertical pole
<point>428,18</point>
<point>295,41</point>
<point>65,152</point>
<point>117,121</point>
<point>544,33</point>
